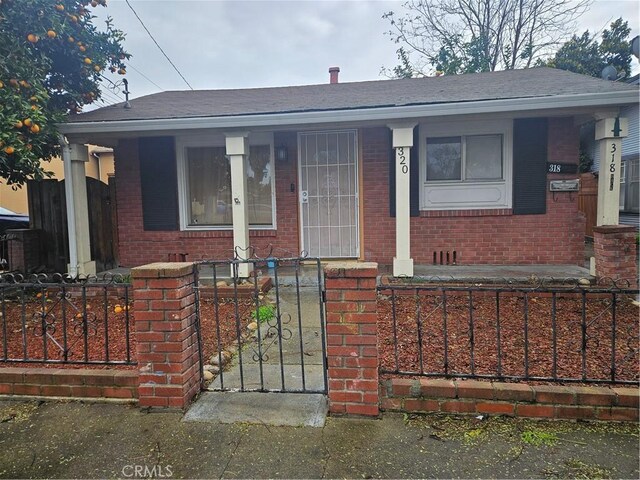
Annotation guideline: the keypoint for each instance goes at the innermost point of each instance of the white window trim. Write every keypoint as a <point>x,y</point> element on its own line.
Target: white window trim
<point>218,140</point>
<point>471,188</point>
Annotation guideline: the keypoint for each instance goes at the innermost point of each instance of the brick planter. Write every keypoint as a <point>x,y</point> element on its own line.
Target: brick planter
<point>512,399</point>
<point>69,383</point>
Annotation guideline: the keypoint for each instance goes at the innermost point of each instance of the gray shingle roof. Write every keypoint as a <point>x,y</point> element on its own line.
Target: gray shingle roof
<point>510,84</point>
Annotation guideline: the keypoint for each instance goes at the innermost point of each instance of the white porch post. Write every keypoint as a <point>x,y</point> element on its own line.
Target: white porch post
<point>609,134</point>
<point>237,145</point>
<point>610,129</point>
<point>75,156</point>
<point>402,143</point>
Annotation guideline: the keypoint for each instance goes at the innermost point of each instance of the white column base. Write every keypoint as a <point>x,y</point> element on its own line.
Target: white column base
<point>86,268</point>
<point>243,270</point>
<point>403,267</point>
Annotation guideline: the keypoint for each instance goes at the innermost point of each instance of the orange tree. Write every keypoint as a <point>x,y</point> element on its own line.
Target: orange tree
<point>51,59</point>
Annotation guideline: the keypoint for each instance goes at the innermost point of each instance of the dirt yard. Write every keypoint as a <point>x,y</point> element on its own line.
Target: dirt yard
<point>425,318</point>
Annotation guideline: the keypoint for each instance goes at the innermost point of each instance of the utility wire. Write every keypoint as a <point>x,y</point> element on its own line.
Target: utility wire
<point>143,75</point>
<point>157,45</point>
<point>111,97</point>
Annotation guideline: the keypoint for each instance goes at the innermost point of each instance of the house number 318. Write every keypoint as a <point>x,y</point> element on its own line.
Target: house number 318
<point>612,166</point>
<point>403,160</point>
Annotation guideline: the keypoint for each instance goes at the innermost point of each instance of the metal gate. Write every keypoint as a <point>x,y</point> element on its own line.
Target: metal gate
<point>265,333</point>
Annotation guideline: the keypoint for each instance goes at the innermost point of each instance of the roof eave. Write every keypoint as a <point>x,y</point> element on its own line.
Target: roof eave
<point>605,99</point>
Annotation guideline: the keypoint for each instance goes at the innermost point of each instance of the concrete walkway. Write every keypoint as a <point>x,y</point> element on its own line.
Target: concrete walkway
<point>291,361</point>
<point>74,440</point>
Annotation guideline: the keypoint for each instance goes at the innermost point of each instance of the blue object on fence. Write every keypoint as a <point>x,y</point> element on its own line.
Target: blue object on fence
<point>271,263</point>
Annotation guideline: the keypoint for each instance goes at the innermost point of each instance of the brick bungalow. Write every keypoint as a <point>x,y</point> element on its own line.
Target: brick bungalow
<point>452,169</point>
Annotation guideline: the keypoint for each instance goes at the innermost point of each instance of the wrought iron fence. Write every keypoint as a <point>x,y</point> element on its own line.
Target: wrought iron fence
<point>266,332</point>
<point>537,331</point>
<point>55,318</point>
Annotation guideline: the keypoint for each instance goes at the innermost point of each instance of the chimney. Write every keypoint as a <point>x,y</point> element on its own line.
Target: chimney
<point>333,74</point>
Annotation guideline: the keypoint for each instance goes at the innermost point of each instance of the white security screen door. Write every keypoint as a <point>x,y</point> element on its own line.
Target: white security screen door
<point>328,182</point>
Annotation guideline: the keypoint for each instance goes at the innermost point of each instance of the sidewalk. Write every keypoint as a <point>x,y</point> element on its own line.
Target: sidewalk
<point>72,440</point>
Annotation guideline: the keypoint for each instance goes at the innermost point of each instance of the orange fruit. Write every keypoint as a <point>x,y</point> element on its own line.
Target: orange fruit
<point>94,4</point>
<point>82,48</point>
<point>18,124</point>
<point>51,34</point>
<point>122,71</point>
<point>1,85</point>
<point>118,309</point>
<point>33,38</point>
<point>97,68</point>
<point>34,107</point>
<point>34,128</point>
<point>29,146</point>
<point>71,39</point>
<point>27,122</point>
<point>87,61</point>
<point>60,8</point>
<point>74,19</point>
<point>24,83</point>
<point>14,83</point>
<point>9,150</point>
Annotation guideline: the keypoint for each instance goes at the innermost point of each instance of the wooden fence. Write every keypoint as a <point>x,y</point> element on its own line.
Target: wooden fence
<point>588,200</point>
<point>48,213</point>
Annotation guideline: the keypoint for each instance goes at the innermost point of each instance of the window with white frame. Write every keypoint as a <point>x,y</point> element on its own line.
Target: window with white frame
<point>465,165</point>
<point>206,187</point>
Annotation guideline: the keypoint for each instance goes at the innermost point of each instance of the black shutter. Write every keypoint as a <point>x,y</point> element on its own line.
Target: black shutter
<point>529,166</point>
<point>414,176</point>
<point>158,179</point>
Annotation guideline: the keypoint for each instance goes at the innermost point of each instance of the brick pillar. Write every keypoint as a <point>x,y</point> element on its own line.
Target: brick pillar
<point>352,351</point>
<point>615,252</point>
<point>24,249</point>
<point>167,346</point>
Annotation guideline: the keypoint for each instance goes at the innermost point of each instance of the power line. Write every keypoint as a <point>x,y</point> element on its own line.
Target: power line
<point>111,96</point>
<point>157,45</point>
<point>161,89</point>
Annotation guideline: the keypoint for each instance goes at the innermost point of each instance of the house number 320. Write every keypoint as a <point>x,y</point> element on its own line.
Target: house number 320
<point>403,160</point>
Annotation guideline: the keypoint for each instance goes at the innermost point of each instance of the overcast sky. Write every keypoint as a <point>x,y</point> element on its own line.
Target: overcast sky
<point>238,44</point>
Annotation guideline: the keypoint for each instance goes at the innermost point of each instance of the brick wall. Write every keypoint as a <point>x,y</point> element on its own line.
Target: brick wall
<point>138,247</point>
<point>478,237</point>
<point>614,247</point>
<point>512,399</point>
<point>73,383</point>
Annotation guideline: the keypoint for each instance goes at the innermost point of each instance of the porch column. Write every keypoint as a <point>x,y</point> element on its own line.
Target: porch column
<point>237,144</point>
<point>609,134</point>
<point>74,156</point>
<point>402,143</point>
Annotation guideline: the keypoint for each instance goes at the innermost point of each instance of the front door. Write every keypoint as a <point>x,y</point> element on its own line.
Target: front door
<point>328,179</point>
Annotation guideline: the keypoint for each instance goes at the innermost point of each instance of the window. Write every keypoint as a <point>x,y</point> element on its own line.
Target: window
<point>470,157</point>
<point>206,186</point>
<point>466,164</point>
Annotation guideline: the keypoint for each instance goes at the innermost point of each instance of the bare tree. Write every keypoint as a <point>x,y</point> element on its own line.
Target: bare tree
<point>457,36</point>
